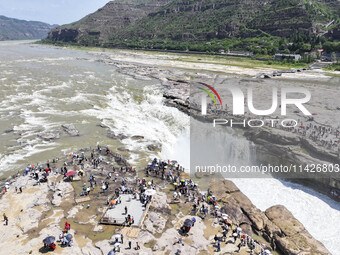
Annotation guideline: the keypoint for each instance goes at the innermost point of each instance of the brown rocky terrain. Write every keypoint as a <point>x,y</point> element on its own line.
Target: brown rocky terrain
<point>276,225</point>
<point>102,25</point>
<point>41,210</point>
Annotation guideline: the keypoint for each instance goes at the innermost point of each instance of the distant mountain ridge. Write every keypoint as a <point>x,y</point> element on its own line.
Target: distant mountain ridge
<point>100,26</point>
<point>15,29</point>
<point>184,23</point>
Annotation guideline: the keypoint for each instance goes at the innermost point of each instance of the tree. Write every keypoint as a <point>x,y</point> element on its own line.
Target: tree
<point>305,47</point>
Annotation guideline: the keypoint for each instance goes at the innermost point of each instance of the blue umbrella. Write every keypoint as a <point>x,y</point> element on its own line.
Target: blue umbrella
<point>69,237</point>
<point>48,240</point>
<point>111,253</point>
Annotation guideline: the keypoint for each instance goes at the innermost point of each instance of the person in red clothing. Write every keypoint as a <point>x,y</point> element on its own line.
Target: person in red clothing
<point>67,226</point>
<point>53,246</point>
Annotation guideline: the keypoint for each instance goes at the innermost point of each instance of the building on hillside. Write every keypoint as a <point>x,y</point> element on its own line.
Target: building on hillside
<point>325,56</point>
<point>281,57</point>
<point>239,53</point>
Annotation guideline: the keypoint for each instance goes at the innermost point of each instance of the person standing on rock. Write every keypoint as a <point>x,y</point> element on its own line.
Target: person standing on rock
<point>218,246</point>
<point>121,238</point>
<point>130,245</point>
<point>6,220</point>
<point>239,246</point>
<point>235,236</point>
<point>126,210</point>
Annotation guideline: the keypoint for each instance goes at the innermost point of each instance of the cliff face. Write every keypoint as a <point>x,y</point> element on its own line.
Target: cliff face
<point>278,148</point>
<point>276,225</point>
<point>105,23</point>
<point>15,29</point>
<point>196,21</point>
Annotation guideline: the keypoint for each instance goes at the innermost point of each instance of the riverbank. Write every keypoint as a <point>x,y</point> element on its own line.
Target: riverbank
<point>42,208</point>
<point>211,62</point>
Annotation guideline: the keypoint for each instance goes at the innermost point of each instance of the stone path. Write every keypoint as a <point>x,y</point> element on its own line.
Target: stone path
<point>117,215</point>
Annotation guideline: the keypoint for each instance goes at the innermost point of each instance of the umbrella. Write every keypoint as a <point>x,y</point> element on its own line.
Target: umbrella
<point>71,173</point>
<point>117,236</point>
<point>150,192</point>
<point>188,223</point>
<point>239,229</point>
<point>175,183</point>
<point>48,240</point>
<point>6,183</point>
<point>69,237</point>
<point>111,253</point>
<point>27,169</point>
<point>117,244</point>
<point>173,161</point>
<point>149,183</point>
<point>224,216</point>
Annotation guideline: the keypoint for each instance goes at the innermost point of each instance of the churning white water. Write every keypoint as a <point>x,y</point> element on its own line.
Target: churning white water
<point>45,87</point>
<point>318,213</point>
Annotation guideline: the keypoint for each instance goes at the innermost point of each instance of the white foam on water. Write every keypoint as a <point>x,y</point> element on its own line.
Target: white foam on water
<point>11,161</point>
<point>51,88</point>
<point>179,151</point>
<point>31,122</point>
<point>149,118</point>
<point>53,111</point>
<point>318,213</point>
<point>79,98</point>
<point>42,60</point>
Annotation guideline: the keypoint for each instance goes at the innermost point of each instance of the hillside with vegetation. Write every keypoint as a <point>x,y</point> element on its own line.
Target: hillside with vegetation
<point>99,27</point>
<point>15,29</point>
<point>262,27</point>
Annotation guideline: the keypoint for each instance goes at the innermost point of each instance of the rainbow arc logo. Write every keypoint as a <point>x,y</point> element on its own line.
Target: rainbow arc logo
<point>210,94</point>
